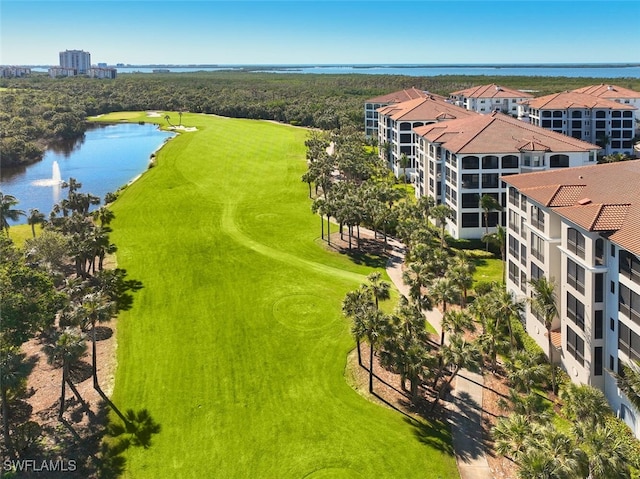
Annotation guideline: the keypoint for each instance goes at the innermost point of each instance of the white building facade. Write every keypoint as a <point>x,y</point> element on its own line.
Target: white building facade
<point>579,228</point>
<point>372,105</point>
<point>490,98</point>
<point>459,161</point>
<point>76,59</point>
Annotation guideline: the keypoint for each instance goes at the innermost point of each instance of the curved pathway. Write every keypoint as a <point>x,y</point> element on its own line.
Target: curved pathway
<point>465,412</point>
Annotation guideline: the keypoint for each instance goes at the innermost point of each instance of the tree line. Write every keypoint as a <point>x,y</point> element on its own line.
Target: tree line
<point>38,110</point>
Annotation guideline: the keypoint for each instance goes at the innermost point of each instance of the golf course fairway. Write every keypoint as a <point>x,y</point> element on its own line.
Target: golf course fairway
<point>236,344</point>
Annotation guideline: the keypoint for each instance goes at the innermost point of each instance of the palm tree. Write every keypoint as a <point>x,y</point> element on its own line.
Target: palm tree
<point>404,162</point>
<point>461,355</point>
<point>445,292</point>
<point>69,346</point>
<point>543,302</point>
<point>511,436</point>
<point>488,204</point>
<point>104,215</point>
<point>629,383</point>
<point>380,290</point>
<point>7,211</point>
<point>441,213</point>
<point>505,309</point>
<point>96,308</point>
<point>461,273</point>
<point>34,218</point>
<point>356,305</point>
<point>456,322</point>
<point>524,370</point>
<point>584,404</point>
<point>417,276</point>
<point>603,452</point>
<point>375,325</point>
<point>13,370</point>
<point>499,238</point>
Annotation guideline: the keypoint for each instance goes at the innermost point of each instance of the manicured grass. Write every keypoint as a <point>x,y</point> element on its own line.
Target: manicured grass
<point>236,344</point>
<point>20,233</point>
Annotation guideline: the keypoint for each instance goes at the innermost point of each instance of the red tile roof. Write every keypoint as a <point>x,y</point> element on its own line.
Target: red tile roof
<point>608,91</point>
<point>399,96</point>
<point>498,133</point>
<point>491,91</point>
<point>607,197</point>
<point>430,108</point>
<point>572,99</point>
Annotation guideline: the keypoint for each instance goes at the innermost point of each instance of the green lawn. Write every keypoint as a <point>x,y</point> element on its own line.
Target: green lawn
<point>236,344</point>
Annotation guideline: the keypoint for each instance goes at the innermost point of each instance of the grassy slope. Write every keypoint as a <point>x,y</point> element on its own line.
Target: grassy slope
<point>236,344</point>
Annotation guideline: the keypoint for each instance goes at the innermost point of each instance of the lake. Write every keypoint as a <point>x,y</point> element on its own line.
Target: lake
<point>104,159</point>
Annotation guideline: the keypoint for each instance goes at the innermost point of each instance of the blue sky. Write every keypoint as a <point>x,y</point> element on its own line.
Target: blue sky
<point>317,32</point>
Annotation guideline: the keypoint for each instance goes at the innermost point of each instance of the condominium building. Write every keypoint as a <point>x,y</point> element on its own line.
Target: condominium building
<point>460,160</point>
<point>615,93</point>
<point>579,228</point>
<point>607,123</point>
<point>371,106</point>
<point>56,72</point>
<point>397,121</point>
<point>488,98</point>
<point>14,72</point>
<point>76,59</point>
<point>95,72</point>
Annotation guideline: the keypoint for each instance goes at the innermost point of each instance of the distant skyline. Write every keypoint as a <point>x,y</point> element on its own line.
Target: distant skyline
<point>320,32</point>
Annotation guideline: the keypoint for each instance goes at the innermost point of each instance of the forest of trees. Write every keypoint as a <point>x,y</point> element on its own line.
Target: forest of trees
<point>37,110</point>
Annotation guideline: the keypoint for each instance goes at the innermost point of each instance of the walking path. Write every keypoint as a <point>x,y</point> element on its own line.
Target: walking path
<point>465,412</point>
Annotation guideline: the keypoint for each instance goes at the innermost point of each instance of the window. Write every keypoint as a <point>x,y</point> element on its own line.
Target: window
<point>514,247</point>
<point>470,220</point>
<point>470,182</point>
<point>405,126</point>
<point>536,272</point>
<point>514,272</point>
<point>537,247</point>
<point>490,180</point>
<point>514,196</point>
<point>599,288</point>
<point>597,361</point>
<point>470,163</point>
<point>523,255</point>
<point>492,219</point>
<point>470,200</point>
<point>509,161</point>
<point>629,266</point>
<point>406,138</point>
<point>598,324</point>
<point>575,242</point>
<point>559,161</point>
<point>628,342</point>
<point>575,275</point>
<point>575,311</point>
<point>575,345</point>
<point>489,162</point>
<point>537,217</point>
<point>629,303</point>
<point>599,252</point>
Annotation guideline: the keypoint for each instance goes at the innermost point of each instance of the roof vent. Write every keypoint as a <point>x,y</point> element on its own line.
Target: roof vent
<point>584,201</point>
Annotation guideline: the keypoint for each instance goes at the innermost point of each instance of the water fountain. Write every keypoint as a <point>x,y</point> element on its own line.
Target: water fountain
<point>55,180</point>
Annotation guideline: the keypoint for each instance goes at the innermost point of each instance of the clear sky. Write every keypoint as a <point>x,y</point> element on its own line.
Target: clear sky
<point>320,32</point>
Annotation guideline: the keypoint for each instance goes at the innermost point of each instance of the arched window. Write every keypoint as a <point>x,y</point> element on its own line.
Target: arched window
<point>470,163</point>
<point>559,161</point>
<point>404,126</point>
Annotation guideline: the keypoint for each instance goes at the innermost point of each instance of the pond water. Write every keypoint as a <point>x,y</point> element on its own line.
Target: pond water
<point>104,159</point>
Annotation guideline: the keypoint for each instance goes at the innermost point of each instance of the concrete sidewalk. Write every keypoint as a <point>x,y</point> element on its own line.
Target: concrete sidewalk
<point>465,411</point>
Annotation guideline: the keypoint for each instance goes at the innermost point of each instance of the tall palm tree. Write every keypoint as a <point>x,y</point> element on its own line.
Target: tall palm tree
<point>512,435</point>
<point>444,292</point>
<point>69,346</point>
<point>629,383</point>
<point>96,308</point>
<point>458,354</point>
<point>456,322</point>
<point>499,239</point>
<point>488,204</point>
<point>544,302</point>
<point>461,273</point>
<point>7,211</point>
<point>13,370</point>
<point>356,305</point>
<point>441,213</point>
<point>375,326</point>
<point>404,162</point>
<point>379,289</point>
<point>35,217</point>
<point>418,276</point>
<point>505,308</point>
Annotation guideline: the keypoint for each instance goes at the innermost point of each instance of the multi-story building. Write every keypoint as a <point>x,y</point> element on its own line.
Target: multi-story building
<point>488,98</point>
<point>460,160</point>
<point>76,59</point>
<point>371,107</point>
<point>615,93</point>
<point>55,72</point>
<point>579,228</point>
<point>397,121</point>
<point>607,123</point>
<point>12,71</point>
<point>102,72</point>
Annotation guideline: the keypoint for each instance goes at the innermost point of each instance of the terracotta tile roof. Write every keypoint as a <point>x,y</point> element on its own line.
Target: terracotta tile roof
<point>556,338</point>
<point>608,198</point>
<point>572,99</point>
<point>430,108</point>
<point>399,96</point>
<point>491,91</point>
<point>608,91</point>
<point>498,133</point>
